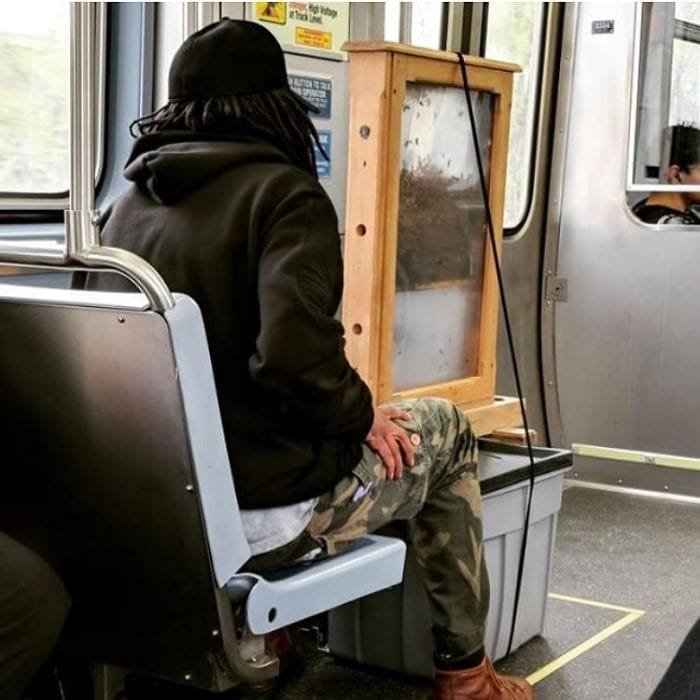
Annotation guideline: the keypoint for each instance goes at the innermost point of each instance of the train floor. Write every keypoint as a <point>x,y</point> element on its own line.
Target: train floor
<point>625,576</point>
<point>623,595</point>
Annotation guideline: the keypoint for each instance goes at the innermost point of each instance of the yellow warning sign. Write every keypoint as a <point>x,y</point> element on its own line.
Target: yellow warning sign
<point>275,12</point>
<point>313,38</point>
<point>307,25</point>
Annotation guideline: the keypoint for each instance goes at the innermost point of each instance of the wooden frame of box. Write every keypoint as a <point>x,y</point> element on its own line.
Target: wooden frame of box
<point>379,74</point>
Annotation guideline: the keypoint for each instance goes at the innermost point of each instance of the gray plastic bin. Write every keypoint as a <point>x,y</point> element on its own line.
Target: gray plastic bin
<point>391,629</point>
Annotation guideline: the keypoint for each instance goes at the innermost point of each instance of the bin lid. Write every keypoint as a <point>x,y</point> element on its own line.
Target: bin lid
<point>502,464</point>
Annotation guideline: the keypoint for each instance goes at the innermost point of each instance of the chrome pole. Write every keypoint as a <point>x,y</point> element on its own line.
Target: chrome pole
<point>82,220</point>
<point>32,252</point>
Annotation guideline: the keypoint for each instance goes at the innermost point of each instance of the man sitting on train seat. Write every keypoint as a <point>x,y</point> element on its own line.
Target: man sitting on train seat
<point>684,169</point>
<point>33,607</point>
<point>225,202</point>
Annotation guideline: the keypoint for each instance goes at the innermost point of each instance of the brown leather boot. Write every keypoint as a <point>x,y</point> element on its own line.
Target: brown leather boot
<point>480,683</point>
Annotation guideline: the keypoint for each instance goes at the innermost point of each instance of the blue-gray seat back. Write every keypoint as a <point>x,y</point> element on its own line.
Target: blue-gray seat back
<point>114,468</point>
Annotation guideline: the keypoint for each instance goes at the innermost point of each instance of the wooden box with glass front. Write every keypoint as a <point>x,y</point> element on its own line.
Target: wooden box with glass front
<point>421,295</point>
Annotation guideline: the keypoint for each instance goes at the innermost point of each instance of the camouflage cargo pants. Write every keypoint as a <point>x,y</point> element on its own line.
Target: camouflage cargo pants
<point>439,497</point>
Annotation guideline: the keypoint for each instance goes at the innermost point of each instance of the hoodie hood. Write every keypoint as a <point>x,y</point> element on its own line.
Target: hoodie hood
<point>167,166</point>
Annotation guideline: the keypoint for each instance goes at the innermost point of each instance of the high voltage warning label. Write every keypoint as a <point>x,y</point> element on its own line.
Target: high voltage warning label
<point>313,38</point>
<point>316,25</point>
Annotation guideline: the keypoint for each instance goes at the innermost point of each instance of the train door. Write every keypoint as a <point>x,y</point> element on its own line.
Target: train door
<point>620,360</point>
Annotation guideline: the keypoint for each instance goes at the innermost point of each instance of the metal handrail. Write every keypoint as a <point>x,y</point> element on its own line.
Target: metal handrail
<point>82,233</point>
<point>81,219</point>
<point>31,253</point>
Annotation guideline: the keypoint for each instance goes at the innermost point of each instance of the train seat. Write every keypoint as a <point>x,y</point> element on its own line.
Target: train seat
<point>115,469</point>
<point>280,599</point>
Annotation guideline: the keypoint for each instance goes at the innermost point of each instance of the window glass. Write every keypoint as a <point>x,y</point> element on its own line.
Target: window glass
<point>514,34</point>
<point>424,18</point>
<point>34,97</point>
<point>685,71</point>
<point>440,262</point>
<point>392,20</point>
<point>426,23</point>
<point>668,93</point>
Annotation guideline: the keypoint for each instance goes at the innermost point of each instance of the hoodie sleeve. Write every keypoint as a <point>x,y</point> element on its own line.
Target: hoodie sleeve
<point>300,350</point>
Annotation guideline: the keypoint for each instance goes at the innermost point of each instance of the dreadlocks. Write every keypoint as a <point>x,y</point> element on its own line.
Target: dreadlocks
<point>275,116</point>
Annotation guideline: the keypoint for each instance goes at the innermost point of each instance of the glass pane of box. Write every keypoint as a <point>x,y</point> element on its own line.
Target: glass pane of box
<point>441,237</point>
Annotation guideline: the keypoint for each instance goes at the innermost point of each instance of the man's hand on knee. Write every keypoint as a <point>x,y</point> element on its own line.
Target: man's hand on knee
<point>390,441</point>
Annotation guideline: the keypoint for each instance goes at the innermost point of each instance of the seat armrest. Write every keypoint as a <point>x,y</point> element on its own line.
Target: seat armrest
<point>283,598</point>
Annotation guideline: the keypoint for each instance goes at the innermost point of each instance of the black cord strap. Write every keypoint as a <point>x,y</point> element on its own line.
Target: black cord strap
<point>511,345</point>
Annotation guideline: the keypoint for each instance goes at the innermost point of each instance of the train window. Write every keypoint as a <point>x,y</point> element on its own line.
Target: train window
<point>668,92</point>
<point>418,23</point>
<point>34,97</point>
<point>685,76</point>
<point>426,24</point>
<point>514,32</point>
<point>392,21</point>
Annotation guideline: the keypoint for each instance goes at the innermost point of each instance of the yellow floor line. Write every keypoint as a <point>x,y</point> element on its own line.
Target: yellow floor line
<point>632,615</point>
<point>593,603</point>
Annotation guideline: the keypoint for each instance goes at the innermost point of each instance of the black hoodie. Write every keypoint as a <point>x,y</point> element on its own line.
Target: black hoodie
<point>254,240</point>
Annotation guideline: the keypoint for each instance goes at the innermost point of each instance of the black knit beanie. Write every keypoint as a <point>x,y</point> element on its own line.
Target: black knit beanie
<point>229,57</point>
